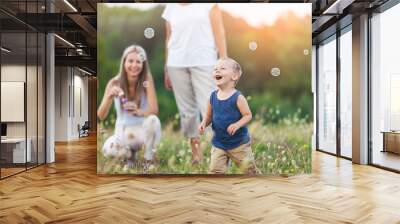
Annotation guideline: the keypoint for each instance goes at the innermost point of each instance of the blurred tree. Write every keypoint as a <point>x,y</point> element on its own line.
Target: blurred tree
<point>281,45</point>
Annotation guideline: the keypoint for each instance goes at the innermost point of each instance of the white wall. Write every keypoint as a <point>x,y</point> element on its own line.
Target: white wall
<point>71,94</point>
<point>61,103</point>
<point>80,110</point>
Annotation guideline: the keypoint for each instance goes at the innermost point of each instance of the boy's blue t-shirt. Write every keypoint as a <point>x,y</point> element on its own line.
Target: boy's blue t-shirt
<point>225,113</point>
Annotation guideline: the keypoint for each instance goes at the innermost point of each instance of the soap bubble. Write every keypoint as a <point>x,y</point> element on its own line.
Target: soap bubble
<point>275,71</point>
<point>253,45</point>
<point>149,33</point>
<point>142,57</point>
<point>146,84</point>
<point>306,52</point>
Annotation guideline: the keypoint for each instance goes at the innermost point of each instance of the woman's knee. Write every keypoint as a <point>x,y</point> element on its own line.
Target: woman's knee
<point>152,123</point>
<point>152,127</point>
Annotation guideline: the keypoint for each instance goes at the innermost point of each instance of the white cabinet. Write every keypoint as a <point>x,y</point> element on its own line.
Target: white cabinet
<point>18,149</point>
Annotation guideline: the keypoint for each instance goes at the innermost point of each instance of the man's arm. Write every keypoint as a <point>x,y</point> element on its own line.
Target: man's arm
<point>167,81</point>
<point>219,31</point>
<point>206,120</point>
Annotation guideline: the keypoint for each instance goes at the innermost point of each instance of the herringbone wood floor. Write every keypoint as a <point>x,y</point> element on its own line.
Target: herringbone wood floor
<point>70,191</point>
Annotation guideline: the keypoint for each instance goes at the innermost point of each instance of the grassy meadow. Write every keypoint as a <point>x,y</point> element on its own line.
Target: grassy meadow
<point>279,148</point>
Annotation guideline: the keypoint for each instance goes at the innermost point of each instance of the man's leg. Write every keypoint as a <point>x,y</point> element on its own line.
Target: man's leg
<point>203,85</point>
<point>189,113</point>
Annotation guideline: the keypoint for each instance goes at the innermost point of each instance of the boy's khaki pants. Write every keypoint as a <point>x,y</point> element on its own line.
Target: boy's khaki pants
<point>242,156</point>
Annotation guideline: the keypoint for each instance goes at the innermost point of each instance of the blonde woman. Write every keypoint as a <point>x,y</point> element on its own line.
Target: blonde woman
<point>133,93</point>
<point>195,39</point>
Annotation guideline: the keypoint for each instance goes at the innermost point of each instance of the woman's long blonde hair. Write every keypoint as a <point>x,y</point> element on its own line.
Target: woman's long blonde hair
<point>144,75</point>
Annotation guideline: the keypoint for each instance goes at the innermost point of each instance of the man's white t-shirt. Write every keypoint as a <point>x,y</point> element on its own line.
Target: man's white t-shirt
<point>192,40</point>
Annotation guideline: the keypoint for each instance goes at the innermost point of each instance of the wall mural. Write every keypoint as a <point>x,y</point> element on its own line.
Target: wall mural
<point>189,88</point>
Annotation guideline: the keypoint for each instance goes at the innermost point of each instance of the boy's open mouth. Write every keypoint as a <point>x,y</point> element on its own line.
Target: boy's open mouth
<point>218,77</point>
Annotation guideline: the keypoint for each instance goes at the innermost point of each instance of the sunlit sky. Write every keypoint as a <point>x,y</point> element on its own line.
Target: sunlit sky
<point>254,13</point>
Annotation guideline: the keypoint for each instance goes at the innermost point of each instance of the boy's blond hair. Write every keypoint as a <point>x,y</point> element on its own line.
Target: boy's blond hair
<point>235,67</point>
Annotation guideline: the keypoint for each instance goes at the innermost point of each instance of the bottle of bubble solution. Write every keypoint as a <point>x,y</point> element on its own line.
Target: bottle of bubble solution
<point>130,106</point>
<point>127,106</point>
<point>123,101</point>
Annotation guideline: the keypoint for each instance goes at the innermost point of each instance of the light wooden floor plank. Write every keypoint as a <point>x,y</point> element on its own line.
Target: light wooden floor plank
<point>70,191</point>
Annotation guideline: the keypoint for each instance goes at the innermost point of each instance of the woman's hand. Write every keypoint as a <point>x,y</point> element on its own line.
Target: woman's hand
<point>129,106</point>
<point>114,91</point>
<point>167,81</point>
<point>138,112</point>
<point>233,128</point>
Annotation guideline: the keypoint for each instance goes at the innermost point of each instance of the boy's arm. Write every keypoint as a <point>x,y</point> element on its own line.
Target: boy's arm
<point>244,110</point>
<point>246,115</point>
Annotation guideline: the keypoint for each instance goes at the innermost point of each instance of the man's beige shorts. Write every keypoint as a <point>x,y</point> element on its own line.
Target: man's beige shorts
<point>192,88</point>
<point>242,156</point>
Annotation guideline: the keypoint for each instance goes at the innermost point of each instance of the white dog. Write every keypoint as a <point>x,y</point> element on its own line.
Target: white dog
<point>127,140</point>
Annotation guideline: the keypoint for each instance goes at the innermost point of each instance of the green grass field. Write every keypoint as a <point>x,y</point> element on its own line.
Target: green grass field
<point>280,148</point>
